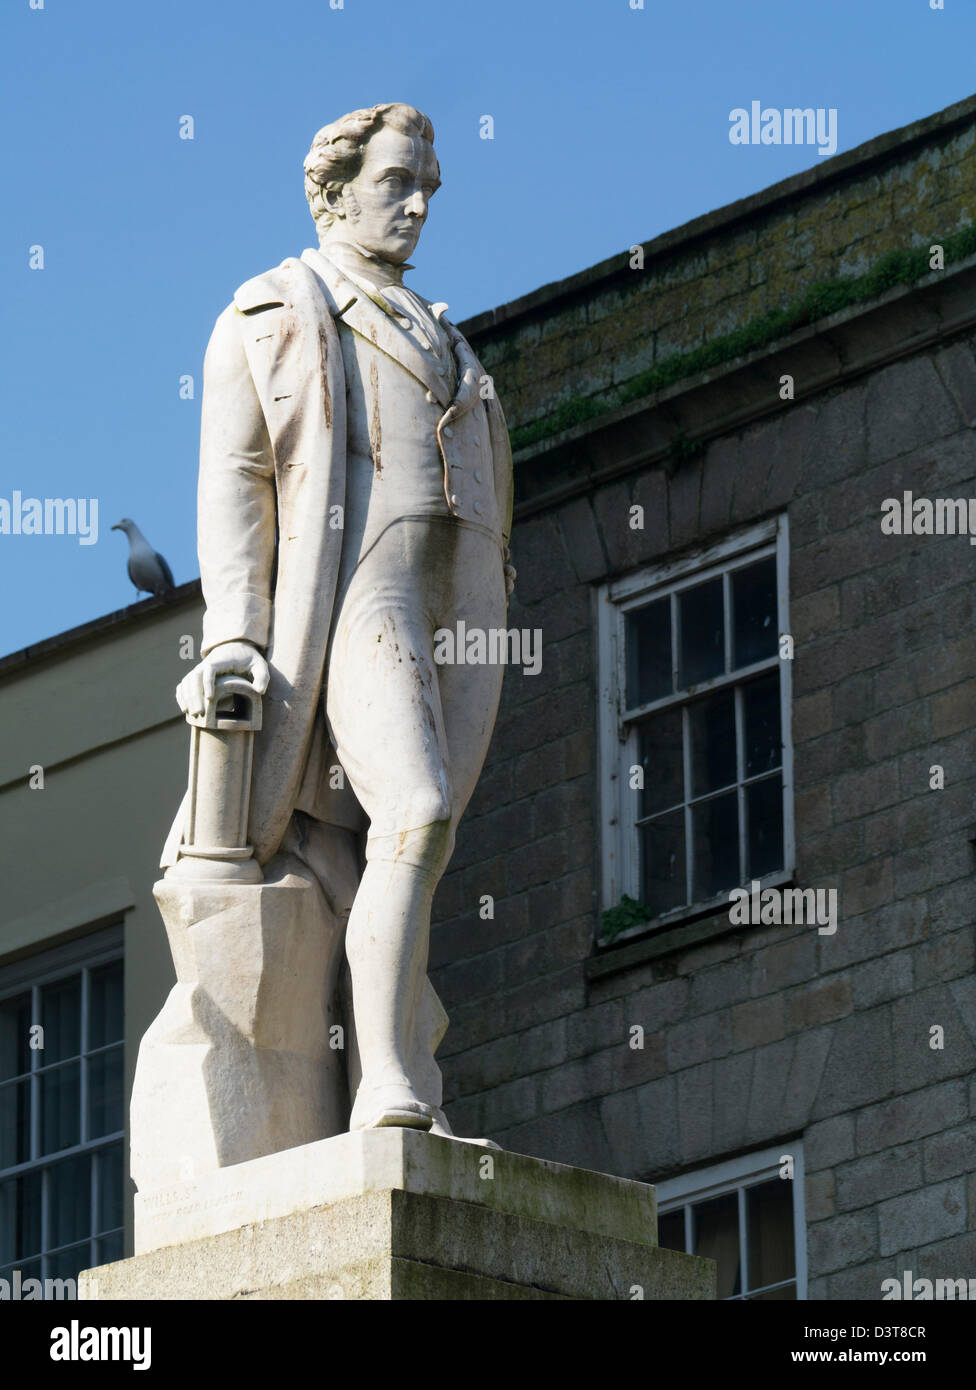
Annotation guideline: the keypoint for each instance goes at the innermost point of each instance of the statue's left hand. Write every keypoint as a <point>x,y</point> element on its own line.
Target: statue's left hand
<point>228,659</point>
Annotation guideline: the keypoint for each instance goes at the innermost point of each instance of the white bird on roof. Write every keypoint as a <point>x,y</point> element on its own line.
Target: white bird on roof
<point>147,568</point>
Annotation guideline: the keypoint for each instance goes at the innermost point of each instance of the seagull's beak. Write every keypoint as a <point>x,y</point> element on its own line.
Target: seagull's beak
<point>117,526</point>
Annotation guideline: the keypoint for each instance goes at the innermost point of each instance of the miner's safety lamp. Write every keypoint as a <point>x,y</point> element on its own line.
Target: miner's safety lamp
<point>221,756</point>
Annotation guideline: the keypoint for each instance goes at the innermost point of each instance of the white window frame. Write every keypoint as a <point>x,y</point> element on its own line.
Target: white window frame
<point>736,1175</point>
<point>617,725</point>
<point>80,956</point>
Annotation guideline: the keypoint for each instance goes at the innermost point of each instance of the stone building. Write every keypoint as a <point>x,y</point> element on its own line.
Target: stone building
<point>662,388</point>
<point>746,680</point>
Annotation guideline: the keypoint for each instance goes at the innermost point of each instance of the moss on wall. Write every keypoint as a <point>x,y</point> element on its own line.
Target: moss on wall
<point>897,267</point>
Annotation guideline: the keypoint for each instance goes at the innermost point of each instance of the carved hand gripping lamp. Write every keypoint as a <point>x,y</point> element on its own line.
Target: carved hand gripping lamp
<point>221,755</point>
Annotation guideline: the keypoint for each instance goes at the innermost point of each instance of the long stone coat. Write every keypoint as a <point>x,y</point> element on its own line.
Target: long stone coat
<point>272,476</point>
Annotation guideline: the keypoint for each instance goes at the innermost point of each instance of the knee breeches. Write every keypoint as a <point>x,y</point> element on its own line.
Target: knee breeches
<point>412,734</point>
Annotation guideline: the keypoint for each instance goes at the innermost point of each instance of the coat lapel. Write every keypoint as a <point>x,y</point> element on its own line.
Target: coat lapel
<point>295,362</point>
<point>377,325</point>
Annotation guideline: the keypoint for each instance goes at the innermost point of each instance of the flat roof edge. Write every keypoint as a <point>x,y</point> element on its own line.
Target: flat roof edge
<point>823,174</point>
<point>95,627</point>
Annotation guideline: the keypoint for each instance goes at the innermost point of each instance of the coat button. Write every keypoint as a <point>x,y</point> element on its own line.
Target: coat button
<point>447,432</point>
<point>454,499</point>
<point>477,476</point>
<point>431,398</point>
<point>477,508</point>
<point>403,322</point>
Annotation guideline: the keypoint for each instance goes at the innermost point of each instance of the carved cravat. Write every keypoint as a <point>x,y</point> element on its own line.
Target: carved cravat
<point>382,281</point>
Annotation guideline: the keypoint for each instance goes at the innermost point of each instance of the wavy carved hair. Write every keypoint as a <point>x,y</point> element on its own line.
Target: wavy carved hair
<point>336,155</point>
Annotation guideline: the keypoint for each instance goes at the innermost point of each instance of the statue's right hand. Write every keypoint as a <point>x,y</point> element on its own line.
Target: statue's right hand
<point>229,659</point>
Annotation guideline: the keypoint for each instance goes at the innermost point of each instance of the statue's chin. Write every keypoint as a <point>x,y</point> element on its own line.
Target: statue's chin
<point>398,256</point>
<point>397,250</point>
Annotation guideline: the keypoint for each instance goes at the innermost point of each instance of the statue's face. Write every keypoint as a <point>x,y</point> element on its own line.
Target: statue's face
<point>384,207</point>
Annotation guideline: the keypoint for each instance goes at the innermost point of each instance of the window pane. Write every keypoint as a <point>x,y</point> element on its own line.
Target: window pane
<point>66,1264</point>
<point>109,1214</point>
<point>663,862</point>
<point>61,1017</point>
<point>755,634</point>
<point>15,1036</point>
<point>14,1123</point>
<point>712,725</point>
<point>105,1093</point>
<point>769,1212</point>
<point>785,1294</point>
<point>105,1012</point>
<point>69,1200</point>
<point>659,751</point>
<point>702,633</point>
<point>20,1218</point>
<point>29,1269</point>
<point>715,832</point>
<point>61,1107</point>
<point>717,1238</point>
<point>109,1248</point>
<point>671,1230</point>
<point>764,743</point>
<point>764,815</point>
<point>649,653</point>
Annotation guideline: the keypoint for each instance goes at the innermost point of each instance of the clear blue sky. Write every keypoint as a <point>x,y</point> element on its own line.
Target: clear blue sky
<point>611,126</point>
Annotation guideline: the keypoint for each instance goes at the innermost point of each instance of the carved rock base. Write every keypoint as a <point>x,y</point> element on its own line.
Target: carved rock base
<point>238,1063</point>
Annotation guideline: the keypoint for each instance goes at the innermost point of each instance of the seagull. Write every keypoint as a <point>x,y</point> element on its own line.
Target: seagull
<point>147,568</point>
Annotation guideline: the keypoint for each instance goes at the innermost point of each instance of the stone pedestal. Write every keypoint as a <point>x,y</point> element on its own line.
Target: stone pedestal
<point>400,1214</point>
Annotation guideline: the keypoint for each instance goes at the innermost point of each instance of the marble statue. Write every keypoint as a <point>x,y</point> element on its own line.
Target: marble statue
<point>355,496</point>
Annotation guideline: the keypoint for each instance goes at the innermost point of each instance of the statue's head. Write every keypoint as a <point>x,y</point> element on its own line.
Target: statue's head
<point>369,177</point>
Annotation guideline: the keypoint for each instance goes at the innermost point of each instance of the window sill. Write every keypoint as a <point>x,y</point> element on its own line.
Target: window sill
<point>689,927</point>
